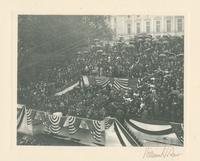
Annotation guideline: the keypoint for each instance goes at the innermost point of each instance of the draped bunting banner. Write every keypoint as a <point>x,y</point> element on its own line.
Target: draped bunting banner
<point>54,126</point>
<point>104,132</point>
<point>30,116</point>
<point>25,121</point>
<point>151,132</point>
<point>178,130</point>
<point>74,124</point>
<point>108,122</point>
<point>166,134</point>
<point>20,116</point>
<point>116,83</point>
<point>96,129</point>
<point>33,122</point>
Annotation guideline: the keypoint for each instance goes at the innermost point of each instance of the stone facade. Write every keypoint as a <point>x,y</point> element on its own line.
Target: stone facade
<point>130,25</point>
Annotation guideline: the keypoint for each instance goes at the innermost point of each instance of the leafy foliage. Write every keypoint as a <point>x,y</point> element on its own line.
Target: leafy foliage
<point>45,40</point>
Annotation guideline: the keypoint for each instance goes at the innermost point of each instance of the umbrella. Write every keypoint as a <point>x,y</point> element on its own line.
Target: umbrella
<point>147,49</point>
<point>118,57</point>
<point>168,75</point>
<point>180,55</point>
<point>131,42</point>
<point>99,51</point>
<point>98,45</point>
<point>176,92</point>
<point>149,36</point>
<point>154,39</point>
<point>165,37</point>
<point>166,71</point>
<point>172,58</point>
<point>119,42</point>
<point>85,52</point>
<point>140,39</point>
<point>130,46</point>
<point>148,39</point>
<point>162,55</point>
<point>171,54</point>
<point>165,42</point>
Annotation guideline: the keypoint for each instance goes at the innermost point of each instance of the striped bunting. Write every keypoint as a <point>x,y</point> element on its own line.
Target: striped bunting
<point>108,122</point>
<point>178,130</point>
<point>159,132</point>
<point>117,83</point>
<point>95,129</point>
<point>121,84</point>
<point>118,135</point>
<point>73,125</point>
<point>20,117</point>
<point>54,126</point>
<point>96,132</point>
<point>151,127</point>
<point>28,114</point>
<point>122,138</point>
<point>170,139</point>
<point>102,81</point>
<point>111,138</point>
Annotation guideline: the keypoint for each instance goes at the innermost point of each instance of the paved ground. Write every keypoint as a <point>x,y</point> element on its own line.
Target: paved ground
<point>43,140</point>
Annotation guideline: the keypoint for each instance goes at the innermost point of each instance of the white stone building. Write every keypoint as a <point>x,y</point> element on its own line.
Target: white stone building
<point>130,25</point>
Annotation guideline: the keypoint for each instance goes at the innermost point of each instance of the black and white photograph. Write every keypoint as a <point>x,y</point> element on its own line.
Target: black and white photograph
<point>100,80</point>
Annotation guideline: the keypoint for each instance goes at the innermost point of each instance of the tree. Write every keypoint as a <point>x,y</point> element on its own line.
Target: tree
<point>45,40</point>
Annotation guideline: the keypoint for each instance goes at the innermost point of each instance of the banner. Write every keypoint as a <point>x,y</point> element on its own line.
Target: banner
<point>96,129</point>
<point>81,129</point>
<point>67,89</point>
<point>116,83</point>
<point>109,132</point>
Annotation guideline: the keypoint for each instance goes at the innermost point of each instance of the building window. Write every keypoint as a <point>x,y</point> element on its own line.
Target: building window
<point>138,27</point>
<point>180,25</point>
<point>148,27</point>
<point>168,25</point>
<point>129,28</point>
<point>157,26</point>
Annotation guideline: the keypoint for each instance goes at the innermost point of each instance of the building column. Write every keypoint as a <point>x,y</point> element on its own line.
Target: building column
<point>172,24</point>
<point>175,24</point>
<point>142,25</point>
<point>152,25</point>
<point>162,25</point>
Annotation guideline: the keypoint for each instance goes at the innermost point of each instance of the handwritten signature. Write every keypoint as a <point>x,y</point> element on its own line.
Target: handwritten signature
<point>166,152</point>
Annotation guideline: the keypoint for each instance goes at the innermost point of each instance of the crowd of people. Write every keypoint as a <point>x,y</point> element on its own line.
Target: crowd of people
<point>157,63</point>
